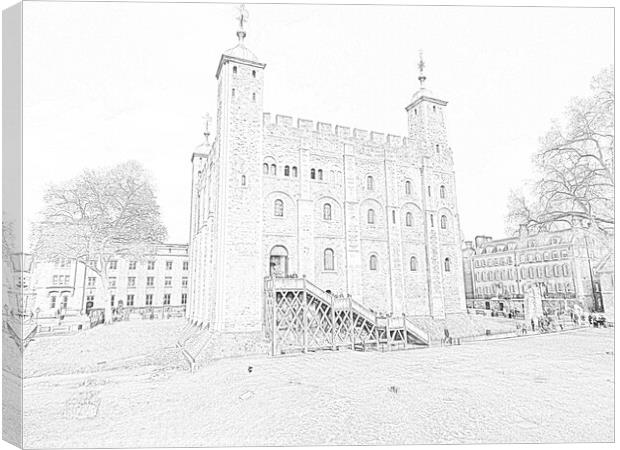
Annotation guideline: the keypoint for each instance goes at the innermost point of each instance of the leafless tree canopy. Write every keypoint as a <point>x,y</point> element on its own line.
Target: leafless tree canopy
<point>98,216</point>
<point>576,166</point>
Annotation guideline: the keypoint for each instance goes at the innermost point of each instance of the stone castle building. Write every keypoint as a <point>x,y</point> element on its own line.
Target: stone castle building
<point>355,212</point>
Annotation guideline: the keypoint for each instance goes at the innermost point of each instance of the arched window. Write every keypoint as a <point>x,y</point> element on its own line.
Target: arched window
<point>407,187</point>
<point>242,180</point>
<point>287,171</point>
<point>370,183</point>
<point>278,208</point>
<point>442,191</point>
<point>413,264</point>
<point>295,171</point>
<point>446,264</point>
<point>373,262</point>
<point>327,211</point>
<point>320,174</point>
<point>312,174</point>
<point>266,169</point>
<point>328,259</point>
<point>409,219</point>
<point>444,222</point>
<point>274,170</point>
<point>371,216</point>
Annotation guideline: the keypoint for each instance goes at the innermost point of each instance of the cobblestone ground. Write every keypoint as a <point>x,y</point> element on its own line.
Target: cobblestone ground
<point>547,388</point>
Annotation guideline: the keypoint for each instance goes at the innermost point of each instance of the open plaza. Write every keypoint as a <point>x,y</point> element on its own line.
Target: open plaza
<point>127,380</point>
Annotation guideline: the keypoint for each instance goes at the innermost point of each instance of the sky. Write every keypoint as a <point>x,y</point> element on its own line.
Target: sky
<point>107,82</point>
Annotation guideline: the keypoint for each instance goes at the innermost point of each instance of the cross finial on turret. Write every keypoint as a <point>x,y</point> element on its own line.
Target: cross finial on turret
<point>242,18</point>
<point>421,66</point>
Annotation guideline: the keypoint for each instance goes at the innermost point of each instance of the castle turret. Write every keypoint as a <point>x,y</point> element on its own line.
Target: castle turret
<point>239,154</point>
<point>428,136</point>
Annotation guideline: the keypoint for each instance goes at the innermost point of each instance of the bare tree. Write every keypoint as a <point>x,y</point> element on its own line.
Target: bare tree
<point>98,216</point>
<point>576,167</point>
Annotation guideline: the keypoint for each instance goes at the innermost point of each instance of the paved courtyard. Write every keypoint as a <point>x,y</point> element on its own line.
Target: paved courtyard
<point>547,388</point>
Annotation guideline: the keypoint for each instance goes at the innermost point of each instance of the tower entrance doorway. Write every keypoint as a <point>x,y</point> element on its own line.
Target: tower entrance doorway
<point>278,262</point>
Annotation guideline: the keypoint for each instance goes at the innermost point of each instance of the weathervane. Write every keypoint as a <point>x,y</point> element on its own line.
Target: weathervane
<point>242,18</point>
<point>421,66</point>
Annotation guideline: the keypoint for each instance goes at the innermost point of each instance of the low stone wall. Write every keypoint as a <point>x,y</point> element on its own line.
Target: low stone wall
<point>228,345</point>
<point>464,325</point>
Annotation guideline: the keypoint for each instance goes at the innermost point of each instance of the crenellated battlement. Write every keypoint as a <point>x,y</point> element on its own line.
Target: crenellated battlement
<point>328,130</point>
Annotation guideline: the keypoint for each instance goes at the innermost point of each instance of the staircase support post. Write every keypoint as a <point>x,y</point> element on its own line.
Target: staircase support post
<point>404,330</point>
<point>351,328</point>
<point>304,318</point>
<point>377,330</point>
<point>273,322</point>
<point>333,321</point>
<point>388,337</point>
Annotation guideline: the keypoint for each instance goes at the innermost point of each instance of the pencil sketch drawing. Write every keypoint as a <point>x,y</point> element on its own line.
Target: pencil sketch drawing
<point>185,264</point>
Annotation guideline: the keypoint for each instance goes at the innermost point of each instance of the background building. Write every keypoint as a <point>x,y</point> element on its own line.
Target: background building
<point>557,264</point>
<point>158,280</point>
<point>356,212</point>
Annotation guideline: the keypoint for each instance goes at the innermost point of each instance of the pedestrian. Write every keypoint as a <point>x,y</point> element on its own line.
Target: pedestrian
<point>590,319</point>
<point>533,328</point>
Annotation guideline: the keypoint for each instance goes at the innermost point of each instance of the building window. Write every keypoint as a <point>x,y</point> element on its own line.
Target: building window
<point>328,259</point>
<point>554,255</point>
<point>185,265</point>
<point>183,299</point>
<point>556,271</point>
<point>312,174</point>
<point>130,298</point>
<point>565,270</point>
<point>373,262</point>
<point>428,188</point>
<point>437,148</point>
<point>150,265</point>
<point>254,74</point>
<point>444,222</point>
<point>278,208</point>
<point>393,216</point>
<point>149,300</point>
<point>91,282</point>
<point>253,96</point>
<point>413,264</point>
<point>295,171</point>
<point>274,170</point>
<point>446,264</point>
<point>265,169</point>
<point>112,282</point>
<point>407,187</point>
<point>112,298</point>
<point>166,299</point>
<point>327,211</point>
<point>53,301</point>
<point>184,282</point>
<point>234,70</point>
<point>168,265</point>
<point>168,281</point>
<point>370,183</point>
<point>442,191</point>
<point>320,174</point>
<point>131,281</point>
<point>112,265</point>
<point>434,109</point>
<point>233,93</point>
<point>287,171</point>
<point>132,265</point>
<point>409,219</point>
<point>243,180</point>
<point>150,281</point>
<point>432,221</point>
<point>371,216</point>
